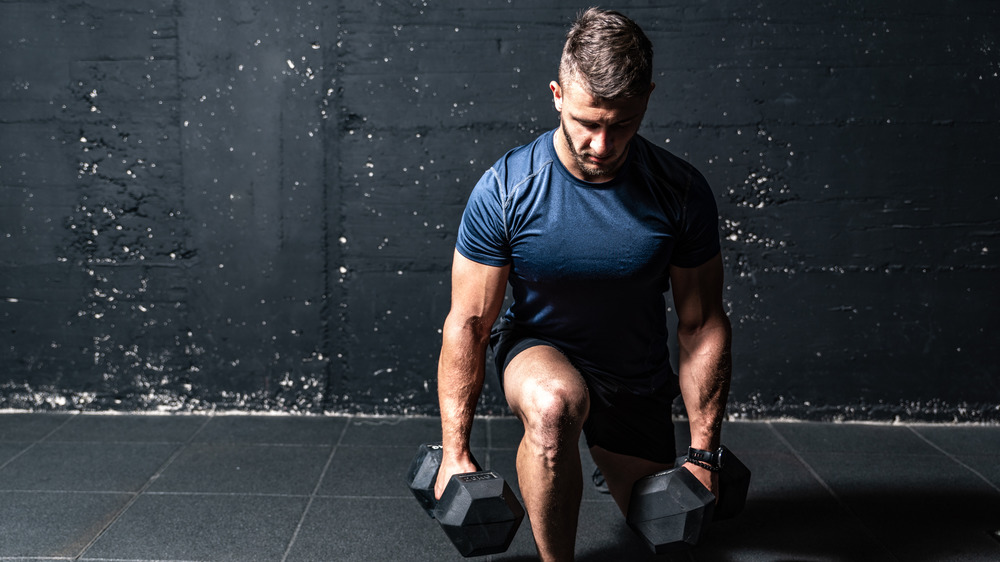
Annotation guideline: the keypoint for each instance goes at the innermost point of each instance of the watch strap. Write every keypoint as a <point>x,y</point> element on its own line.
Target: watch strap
<point>710,460</point>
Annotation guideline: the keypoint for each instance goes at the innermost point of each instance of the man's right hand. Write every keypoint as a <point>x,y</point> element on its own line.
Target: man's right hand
<point>450,466</point>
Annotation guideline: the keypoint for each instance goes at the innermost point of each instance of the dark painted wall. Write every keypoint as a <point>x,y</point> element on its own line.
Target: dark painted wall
<point>252,205</point>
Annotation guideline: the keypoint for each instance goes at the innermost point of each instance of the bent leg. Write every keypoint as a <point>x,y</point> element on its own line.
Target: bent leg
<point>550,398</point>
<point>621,472</point>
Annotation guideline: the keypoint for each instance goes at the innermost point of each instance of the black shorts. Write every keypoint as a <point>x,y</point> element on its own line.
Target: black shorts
<point>620,420</point>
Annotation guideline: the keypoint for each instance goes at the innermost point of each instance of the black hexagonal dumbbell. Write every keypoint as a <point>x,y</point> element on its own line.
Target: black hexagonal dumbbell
<point>477,511</point>
<point>671,510</point>
<point>734,483</point>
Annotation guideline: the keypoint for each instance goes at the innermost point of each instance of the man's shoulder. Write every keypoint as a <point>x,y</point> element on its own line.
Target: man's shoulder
<point>525,161</point>
<point>666,166</point>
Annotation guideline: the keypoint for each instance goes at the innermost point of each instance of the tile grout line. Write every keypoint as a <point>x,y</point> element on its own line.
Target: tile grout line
<point>39,440</point>
<point>315,492</point>
<point>115,559</point>
<point>809,468</point>
<point>135,496</point>
<point>840,501</point>
<point>954,458</point>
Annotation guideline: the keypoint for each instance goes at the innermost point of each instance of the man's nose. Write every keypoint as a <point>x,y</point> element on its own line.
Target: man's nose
<point>600,143</point>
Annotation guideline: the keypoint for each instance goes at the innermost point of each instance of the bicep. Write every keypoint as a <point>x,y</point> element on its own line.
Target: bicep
<point>477,290</point>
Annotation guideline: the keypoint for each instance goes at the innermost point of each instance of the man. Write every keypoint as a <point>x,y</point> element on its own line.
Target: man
<point>590,224</point>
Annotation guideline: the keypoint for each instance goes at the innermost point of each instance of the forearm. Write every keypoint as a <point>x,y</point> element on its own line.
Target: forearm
<point>705,366</point>
<point>461,371</point>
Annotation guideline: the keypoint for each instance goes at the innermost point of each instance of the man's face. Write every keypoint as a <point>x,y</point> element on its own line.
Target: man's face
<point>595,133</point>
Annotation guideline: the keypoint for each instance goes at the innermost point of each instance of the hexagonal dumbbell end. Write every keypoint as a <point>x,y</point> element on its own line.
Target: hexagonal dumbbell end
<point>734,482</point>
<point>479,513</point>
<point>422,475</point>
<point>670,510</point>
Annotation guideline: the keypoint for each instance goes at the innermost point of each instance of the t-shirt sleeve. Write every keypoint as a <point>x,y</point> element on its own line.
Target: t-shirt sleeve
<point>699,238</point>
<point>482,237</point>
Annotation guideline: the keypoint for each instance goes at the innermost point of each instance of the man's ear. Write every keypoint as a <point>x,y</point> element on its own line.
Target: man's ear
<point>556,95</point>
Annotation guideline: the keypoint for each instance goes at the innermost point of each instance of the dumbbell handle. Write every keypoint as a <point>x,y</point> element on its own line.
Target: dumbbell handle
<point>466,476</point>
<point>423,474</point>
<point>734,479</point>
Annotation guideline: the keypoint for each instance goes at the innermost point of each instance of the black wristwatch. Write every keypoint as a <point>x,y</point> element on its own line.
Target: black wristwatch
<point>711,460</point>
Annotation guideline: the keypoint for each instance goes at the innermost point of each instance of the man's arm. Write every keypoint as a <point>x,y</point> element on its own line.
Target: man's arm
<point>705,363</point>
<point>477,293</point>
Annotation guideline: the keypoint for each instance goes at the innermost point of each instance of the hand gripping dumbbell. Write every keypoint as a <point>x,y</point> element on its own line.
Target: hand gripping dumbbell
<point>478,510</point>
<point>672,509</point>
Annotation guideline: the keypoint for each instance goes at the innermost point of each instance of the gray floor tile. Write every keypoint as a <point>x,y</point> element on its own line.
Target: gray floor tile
<point>287,430</point>
<point>504,433</point>
<point>29,427</point>
<point>789,515</point>
<point>53,524</point>
<point>370,529</point>
<point>107,467</point>
<point>985,466</point>
<point>128,429</point>
<point>778,476</point>
<point>38,559</point>
<point>905,525</point>
<point>963,440</point>
<point>368,472</point>
<point>240,468</point>
<point>399,432</point>
<point>237,487</point>
<point>604,535</point>
<point>798,531</point>
<point>9,450</point>
<point>892,474</point>
<point>917,506</point>
<point>202,527</point>
<point>861,439</point>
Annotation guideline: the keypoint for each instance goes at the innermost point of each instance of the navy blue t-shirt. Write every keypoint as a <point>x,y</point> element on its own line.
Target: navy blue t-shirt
<point>590,261</point>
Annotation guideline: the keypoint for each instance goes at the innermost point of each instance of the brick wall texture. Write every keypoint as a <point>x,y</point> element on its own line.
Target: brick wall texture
<point>242,205</point>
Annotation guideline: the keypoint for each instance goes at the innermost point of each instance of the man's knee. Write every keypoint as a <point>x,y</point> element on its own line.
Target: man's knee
<point>549,395</point>
<point>556,404</point>
<point>553,417</point>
